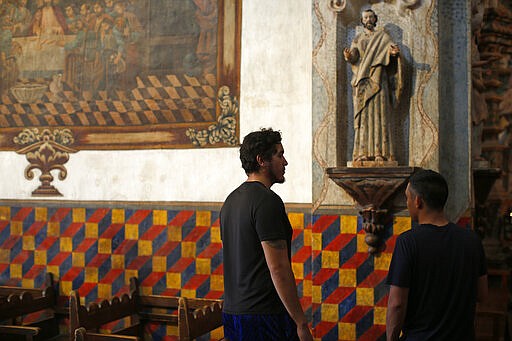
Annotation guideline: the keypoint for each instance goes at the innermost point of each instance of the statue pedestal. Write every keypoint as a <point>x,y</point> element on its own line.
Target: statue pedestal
<point>372,164</point>
<point>372,188</point>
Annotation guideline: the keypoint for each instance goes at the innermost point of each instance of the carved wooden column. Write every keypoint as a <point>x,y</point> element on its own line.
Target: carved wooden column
<point>372,189</point>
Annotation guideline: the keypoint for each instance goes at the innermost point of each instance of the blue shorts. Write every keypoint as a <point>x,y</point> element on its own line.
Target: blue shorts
<point>259,327</point>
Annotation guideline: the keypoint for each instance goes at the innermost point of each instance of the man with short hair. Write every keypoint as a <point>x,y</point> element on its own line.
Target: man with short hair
<point>260,294</point>
<point>438,270</point>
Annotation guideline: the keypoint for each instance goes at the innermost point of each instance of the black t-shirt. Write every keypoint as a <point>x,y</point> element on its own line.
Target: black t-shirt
<point>251,214</point>
<point>440,266</point>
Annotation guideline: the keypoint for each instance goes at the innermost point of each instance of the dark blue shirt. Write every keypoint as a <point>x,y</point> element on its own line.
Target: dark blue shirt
<point>441,267</point>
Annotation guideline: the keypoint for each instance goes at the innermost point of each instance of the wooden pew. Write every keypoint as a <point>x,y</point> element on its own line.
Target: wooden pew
<point>16,302</point>
<point>96,315</point>
<point>193,316</point>
<point>193,323</point>
<point>82,335</point>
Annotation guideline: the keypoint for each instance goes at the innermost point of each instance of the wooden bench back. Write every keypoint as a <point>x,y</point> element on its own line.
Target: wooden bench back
<point>83,335</point>
<point>16,302</point>
<point>193,316</point>
<point>16,305</point>
<point>198,316</point>
<point>97,315</point>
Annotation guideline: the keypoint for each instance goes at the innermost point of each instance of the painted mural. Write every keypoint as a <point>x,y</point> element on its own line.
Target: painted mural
<point>121,74</point>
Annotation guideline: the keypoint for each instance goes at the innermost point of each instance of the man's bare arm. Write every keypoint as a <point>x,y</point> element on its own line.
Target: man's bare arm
<point>276,255</point>
<point>397,307</point>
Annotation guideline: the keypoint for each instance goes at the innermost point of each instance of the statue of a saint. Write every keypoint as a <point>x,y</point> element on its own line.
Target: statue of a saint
<point>377,84</point>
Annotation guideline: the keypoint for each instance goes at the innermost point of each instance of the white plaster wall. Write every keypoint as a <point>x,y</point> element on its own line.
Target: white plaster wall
<point>275,92</point>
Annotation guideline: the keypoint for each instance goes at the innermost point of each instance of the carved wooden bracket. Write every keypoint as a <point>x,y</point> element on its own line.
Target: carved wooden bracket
<point>372,188</point>
<point>45,151</point>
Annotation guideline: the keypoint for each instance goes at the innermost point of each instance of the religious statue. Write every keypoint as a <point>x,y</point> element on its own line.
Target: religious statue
<point>377,84</point>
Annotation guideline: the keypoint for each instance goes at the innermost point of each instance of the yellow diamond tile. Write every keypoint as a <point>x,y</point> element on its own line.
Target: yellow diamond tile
<point>78,259</point>
<point>159,264</point>
<point>347,331</point>
<point>382,261</point>
<point>188,293</point>
<point>348,224</point>
<point>316,294</point>
<point>159,217</point>
<point>307,288</point>
<point>217,283</point>
<point>308,237</point>
<point>28,243</point>
<point>117,216</point>
<point>27,283</point>
<point>203,266</point>
<point>172,330</point>
<point>146,290</point>
<point>104,246</point>
<point>117,261</point>
<point>379,316</point>
<point>53,229</point>
<point>15,271</point>
<point>296,220</point>
<point>131,231</point>
<point>66,287</point>
<point>348,278</point>
<point>41,214</point>
<point>317,241</point>
<point>5,213</point>
<point>66,244</point>
<point>91,230</point>
<point>173,280</point>
<point>5,255</point>
<point>364,297</point>
<point>215,235</point>
<point>16,228</point>
<point>401,224</point>
<point>104,291</point>
<point>174,234</point>
<point>129,273</point>
<point>145,247</point>
<point>54,269</point>
<point>203,218</point>
<point>217,334</point>
<point>188,249</point>
<point>40,257</point>
<point>330,259</point>
<point>91,275</point>
<point>361,244</point>
<point>78,215</point>
<point>329,312</point>
<point>298,270</point>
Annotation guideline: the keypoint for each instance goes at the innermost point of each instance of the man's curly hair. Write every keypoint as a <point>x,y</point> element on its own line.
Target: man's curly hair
<point>261,143</point>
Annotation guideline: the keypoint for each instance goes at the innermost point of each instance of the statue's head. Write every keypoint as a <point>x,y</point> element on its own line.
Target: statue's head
<point>369,19</point>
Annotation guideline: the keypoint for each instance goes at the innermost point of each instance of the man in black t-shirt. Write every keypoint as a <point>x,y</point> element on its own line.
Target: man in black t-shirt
<point>437,272</point>
<point>260,294</point>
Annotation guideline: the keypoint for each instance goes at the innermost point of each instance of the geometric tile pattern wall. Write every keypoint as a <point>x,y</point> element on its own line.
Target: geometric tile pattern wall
<point>179,252</point>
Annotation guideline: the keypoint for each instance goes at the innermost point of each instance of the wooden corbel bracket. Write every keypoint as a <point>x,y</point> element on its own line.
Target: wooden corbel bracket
<point>372,189</point>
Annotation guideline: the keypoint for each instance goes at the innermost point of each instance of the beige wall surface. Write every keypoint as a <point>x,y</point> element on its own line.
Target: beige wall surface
<point>275,92</point>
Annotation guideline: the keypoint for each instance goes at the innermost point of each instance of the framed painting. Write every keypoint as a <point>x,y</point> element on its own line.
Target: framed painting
<point>120,74</point>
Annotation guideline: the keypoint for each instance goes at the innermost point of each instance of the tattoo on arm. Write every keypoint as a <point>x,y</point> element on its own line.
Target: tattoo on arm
<point>276,244</point>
